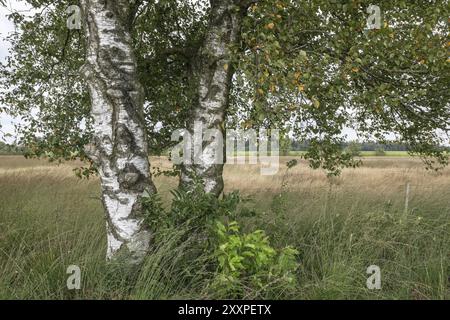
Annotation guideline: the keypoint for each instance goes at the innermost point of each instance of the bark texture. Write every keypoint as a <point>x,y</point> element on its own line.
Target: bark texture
<point>213,71</point>
<point>119,146</point>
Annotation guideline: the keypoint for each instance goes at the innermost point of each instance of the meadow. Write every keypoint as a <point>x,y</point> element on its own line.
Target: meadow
<point>49,219</point>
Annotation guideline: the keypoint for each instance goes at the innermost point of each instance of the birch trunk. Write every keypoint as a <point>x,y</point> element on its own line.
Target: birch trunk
<point>214,73</point>
<point>119,146</point>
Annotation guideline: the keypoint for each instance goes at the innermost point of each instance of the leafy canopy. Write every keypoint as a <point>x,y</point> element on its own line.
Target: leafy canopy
<point>311,68</point>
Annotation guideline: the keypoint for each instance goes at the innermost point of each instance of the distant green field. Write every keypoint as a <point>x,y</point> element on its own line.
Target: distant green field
<point>363,153</point>
<point>388,154</point>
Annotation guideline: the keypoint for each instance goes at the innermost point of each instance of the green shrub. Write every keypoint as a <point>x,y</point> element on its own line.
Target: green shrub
<point>249,267</point>
<point>237,264</point>
<point>193,207</point>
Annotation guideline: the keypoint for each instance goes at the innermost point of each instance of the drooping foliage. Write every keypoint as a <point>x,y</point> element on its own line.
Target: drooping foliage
<point>42,85</point>
<point>317,68</point>
<point>42,82</point>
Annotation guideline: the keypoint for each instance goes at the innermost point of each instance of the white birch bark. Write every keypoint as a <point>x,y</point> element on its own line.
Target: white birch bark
<point>119,146</point>
<point>214,72</point>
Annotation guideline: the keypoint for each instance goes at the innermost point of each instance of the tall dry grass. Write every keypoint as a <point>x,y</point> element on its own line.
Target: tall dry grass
<point>49,220</point>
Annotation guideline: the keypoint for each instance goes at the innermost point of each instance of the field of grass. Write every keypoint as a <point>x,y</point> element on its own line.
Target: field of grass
<point>49,220</point>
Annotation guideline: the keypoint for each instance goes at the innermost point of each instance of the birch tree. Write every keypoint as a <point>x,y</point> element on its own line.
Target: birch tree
<point>213,72</point>
<point>119,142</point>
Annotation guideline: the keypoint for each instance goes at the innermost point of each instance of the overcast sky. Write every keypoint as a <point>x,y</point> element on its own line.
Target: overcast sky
<point>5,27</point>
<point>6,122</point>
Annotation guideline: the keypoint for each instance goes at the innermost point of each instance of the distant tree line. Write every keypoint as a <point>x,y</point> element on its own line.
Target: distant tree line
<point>363,146</point>
<point>286,145</point>
<point>11,149</point>
<point>355,147</point>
